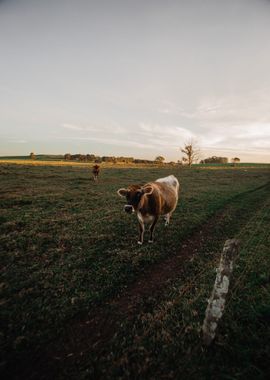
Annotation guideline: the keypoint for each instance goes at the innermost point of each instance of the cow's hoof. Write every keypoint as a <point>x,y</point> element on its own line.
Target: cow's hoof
<point>140,242</point>
<point>150,241</point>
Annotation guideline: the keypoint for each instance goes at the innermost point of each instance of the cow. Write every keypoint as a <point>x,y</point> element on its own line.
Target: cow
<point>95,172</point>
<point>150,201</point>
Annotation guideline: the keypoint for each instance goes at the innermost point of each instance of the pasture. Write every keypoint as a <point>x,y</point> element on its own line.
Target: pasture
<point>81,299</point>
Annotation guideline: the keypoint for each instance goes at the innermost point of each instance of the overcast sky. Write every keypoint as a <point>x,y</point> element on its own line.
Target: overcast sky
<point>135,78</point>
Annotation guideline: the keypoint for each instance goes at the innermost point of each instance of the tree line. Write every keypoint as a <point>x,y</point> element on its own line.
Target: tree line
<point>190,150</point>
<point>99,159</point>
<point>111,159</point>
<point>219,160</point>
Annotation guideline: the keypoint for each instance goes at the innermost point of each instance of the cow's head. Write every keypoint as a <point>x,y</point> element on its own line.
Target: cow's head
<point>133,195</point>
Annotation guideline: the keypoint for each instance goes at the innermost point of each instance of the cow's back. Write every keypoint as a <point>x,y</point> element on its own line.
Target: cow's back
<point>164,198</point>
<point>170,181</point>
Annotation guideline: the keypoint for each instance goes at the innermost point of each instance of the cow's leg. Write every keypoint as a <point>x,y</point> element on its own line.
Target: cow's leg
<point>152,227</point>
<point>167,218</point>
<point>141,233</point>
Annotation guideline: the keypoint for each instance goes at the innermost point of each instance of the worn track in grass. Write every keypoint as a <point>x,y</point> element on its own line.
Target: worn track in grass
<point>89,334</point>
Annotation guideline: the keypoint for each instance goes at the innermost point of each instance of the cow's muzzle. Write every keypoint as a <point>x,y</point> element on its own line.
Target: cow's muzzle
<point>129,209</point>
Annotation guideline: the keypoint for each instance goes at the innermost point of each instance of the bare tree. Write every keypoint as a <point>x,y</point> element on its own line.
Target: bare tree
<point>191,152</point>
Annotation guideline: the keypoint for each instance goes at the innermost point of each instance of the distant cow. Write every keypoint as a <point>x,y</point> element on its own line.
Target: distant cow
<point>150,201</point>
<point>95,172</point>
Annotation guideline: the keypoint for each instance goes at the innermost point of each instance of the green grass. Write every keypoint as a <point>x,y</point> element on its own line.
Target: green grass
<point>66,245</point>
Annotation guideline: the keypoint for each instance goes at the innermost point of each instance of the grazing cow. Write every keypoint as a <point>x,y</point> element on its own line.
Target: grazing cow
<point>150,201</point>
<point>95,172</point>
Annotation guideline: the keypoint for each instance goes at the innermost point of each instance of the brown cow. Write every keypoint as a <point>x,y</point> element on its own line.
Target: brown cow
<point>150,201</point>
<point>95,172</point>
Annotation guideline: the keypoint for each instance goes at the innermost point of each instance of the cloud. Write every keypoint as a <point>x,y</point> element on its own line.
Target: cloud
<point>170,108</point>
<point>19,141</point>
<point>255,136</point>
<point>144,136</point>
<point>232,122</point>
<point>169,132</point>
<point>75,127</point>
<point>110,127</point>
<point>230,109</point>
<point>117,142</point>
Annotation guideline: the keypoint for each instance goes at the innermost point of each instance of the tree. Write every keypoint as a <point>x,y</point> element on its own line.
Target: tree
<point>235,160</point>
<point>82,157</point>
<point>32,156</point>
<point>191,152</point>
<point>67,156</point>
<point>159,159</point>
<point>214,160</point>
<point>90,157</point>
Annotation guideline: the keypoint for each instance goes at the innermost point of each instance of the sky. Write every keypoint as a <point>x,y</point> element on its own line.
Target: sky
<point>135,78</point>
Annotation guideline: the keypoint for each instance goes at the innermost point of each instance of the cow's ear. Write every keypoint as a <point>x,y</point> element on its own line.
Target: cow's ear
<point>147,189</point>
<point>122,192</point>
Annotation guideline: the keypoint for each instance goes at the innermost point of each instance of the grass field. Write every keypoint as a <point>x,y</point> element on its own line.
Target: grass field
<point>80,299</point>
